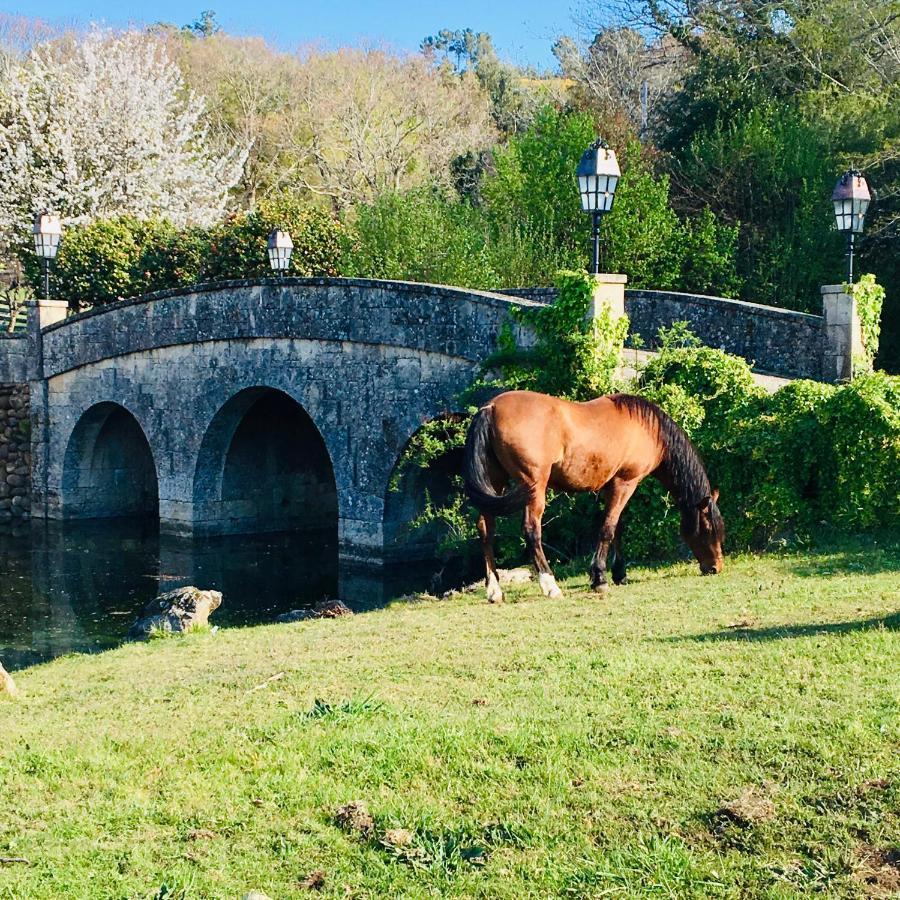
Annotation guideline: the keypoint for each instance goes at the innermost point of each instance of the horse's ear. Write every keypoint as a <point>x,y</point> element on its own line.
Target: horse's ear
<point>704,503</point>
<point>715,495</point>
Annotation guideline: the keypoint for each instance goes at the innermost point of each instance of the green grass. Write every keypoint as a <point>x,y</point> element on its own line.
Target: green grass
<point>575,748</point>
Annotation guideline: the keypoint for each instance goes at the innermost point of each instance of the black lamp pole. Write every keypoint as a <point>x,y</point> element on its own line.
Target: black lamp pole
<point>595,236</point>
<point>851,239</point>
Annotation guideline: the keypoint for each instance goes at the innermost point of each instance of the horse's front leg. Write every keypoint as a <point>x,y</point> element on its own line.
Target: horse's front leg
<point>532,527</point>
<point>487,527</point>
<point>619,572</point>
<point>618,492</point>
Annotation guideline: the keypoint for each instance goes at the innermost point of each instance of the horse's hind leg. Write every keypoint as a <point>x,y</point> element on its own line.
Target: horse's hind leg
<point>487,526</point>
<point>532,527</point>
<point>619,573</point>
<point>618,493</point>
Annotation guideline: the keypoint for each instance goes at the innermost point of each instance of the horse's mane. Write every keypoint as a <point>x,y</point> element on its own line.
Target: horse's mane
<point>681,467</point>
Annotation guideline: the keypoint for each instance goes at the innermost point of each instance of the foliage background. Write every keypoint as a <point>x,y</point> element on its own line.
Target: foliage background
<point>456,165</point>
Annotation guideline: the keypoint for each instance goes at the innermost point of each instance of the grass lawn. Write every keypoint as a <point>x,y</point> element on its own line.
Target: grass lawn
<point>682,736</point>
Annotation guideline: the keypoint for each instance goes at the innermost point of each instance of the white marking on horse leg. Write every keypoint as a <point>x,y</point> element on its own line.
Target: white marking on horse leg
<point>494,592</point>
<point>549,586</point>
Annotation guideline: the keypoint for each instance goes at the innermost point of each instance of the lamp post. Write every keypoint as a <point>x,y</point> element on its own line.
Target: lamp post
<point>851,199</point>
<point>280,247</point>
<point>47,232</point>
<point>598,175</point>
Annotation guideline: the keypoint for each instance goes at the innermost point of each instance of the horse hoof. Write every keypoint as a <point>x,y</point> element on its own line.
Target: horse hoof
<point>620,580</point>
<point>549,586</point>
<point>601,588</point>
<point>495,596</point>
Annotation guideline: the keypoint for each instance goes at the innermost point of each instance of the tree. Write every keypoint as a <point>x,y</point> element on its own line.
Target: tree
<point>613,70</point>
<point>205,26</point>
<point>103,127</point>
<point>515,95</point>
<point>366,122</point>
<point>777,99</point>
<point>249,90</point>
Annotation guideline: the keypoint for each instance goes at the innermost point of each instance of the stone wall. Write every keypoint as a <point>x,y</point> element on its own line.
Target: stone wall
<point>15,452</point>
<point>774,341</point>
<point>13,358</point>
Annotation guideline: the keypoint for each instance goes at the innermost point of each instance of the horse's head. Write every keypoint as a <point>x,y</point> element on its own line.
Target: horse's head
<point>703,529</point>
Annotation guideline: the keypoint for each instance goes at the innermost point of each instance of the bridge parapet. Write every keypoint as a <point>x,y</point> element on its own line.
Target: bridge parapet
<point>14,358</point>
<point>431,318</point>
<point>774,341</point>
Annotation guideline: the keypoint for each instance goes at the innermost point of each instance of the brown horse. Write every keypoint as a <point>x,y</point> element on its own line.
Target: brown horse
<point>609,444</point>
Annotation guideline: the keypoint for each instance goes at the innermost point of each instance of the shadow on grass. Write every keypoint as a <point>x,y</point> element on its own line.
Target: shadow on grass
<point>867,561</point>
<point>889,622</point>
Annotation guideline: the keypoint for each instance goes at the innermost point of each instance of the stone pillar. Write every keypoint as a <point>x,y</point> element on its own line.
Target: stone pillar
<point>41,314</point>
<point>15,453</point>
<point>608,289</point>
<point>842,337</point>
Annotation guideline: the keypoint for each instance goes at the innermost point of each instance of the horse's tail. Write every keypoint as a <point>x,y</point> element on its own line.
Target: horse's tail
<point>475,469</point>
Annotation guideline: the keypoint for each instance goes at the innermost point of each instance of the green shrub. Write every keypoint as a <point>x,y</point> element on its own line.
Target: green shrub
<point>108,260</point>
<point>709,256</point>
<point>420,236</point>
<point>768,459</point>
<point>869,297</point>
<point>97,263</point>
<point>237,247</point>
<point>861,474</point>
<point>719,382</point>
<point>169,257</point>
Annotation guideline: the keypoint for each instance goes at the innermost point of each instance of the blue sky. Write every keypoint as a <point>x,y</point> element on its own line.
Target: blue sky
<point>523,30</point>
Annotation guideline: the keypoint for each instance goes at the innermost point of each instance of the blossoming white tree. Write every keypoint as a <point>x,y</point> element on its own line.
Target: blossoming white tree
<point>105,127</point>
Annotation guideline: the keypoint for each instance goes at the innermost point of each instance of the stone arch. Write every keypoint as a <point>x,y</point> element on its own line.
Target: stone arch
<point>108,467</point>
<point>263,466</point>
<point>405,498</point>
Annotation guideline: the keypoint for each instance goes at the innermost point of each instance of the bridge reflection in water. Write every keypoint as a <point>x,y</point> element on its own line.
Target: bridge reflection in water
<point>77,586</point>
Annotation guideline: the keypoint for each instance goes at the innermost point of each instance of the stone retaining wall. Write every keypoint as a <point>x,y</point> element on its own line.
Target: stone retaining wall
<point>15,452</point>
<point>13,358</point>
<point>774,341</point>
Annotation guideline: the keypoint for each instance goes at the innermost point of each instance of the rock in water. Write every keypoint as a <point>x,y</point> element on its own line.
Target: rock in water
<point>7,685</point>
<point>177,611</point>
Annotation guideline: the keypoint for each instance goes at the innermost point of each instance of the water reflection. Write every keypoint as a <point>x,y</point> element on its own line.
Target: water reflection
<point>76,587</point>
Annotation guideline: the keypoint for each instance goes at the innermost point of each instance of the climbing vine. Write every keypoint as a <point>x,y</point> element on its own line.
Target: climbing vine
<point>869,297</point>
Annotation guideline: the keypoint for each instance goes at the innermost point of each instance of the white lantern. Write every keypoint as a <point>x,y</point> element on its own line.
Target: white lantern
<point>598,176</point>
<point>280,248</point>
<point>47,233</point>
<point>851,200</point>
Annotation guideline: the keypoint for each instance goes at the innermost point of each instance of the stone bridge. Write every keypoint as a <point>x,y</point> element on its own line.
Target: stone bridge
<point>251,406</point>
<point>279,404</point>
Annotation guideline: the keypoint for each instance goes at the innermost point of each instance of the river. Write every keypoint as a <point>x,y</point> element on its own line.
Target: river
<point>77,587</point>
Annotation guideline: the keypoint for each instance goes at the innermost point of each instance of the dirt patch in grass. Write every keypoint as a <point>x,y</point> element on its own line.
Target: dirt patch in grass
<point>878,869</point>
<point>355,818</point>
<point>753,807</point>
<point>315,881</point>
